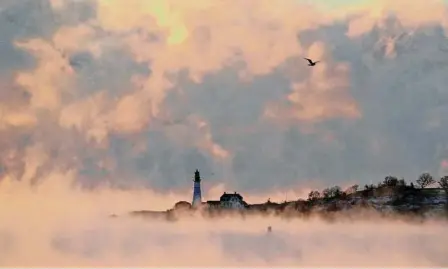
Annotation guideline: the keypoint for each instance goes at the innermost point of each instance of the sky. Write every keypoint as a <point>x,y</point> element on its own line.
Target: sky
<point>341,3</point>
<point>139,94</point>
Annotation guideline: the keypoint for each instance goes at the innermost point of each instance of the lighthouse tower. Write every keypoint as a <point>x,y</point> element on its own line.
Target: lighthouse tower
<point>197,197</point>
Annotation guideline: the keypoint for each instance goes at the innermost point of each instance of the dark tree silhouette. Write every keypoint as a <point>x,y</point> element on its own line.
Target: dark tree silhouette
<point>326,193</point>
<point>401,182</point>
<point>352,189</point>
<point>333,192</point>
<point>390,181</point>
<point>443,183</point>
<point>425,180</point>
<point>313,195</point>
<point>336,191</point>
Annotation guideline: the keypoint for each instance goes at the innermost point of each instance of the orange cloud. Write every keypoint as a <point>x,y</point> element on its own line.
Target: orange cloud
<point>415,15</point>
<point>88,116</point>
<point>51,77</point>
<point>206,36</point>
<point>10,117</point>
<point>69,39</point>
<point>324,95</point>
<point>200,37</point>
<point>196,133</point>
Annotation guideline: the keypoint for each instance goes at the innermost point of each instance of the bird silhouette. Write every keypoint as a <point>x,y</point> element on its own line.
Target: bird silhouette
<point>310,62</point>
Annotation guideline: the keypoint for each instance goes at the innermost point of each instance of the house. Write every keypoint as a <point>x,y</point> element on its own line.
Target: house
<point>228,201</point>
<point>232,201</point>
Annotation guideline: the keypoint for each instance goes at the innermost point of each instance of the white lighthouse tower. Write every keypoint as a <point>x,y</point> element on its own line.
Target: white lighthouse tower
<point>197,197</point>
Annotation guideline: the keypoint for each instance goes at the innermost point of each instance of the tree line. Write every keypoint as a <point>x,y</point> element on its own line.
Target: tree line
<point>423,181</point>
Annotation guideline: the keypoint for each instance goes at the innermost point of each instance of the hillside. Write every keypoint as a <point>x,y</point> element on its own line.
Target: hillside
<point>386,201</point>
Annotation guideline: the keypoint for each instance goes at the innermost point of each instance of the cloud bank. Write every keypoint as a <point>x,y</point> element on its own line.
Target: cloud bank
<point>142,93</point>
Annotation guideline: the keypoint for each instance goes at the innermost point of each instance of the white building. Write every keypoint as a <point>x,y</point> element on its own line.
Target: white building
<point>228,201</point>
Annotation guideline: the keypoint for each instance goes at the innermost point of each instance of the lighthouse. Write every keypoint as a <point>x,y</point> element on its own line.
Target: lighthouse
<point>197,197</point>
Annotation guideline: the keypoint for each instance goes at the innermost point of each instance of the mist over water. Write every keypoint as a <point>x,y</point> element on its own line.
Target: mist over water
<point>56,225</point>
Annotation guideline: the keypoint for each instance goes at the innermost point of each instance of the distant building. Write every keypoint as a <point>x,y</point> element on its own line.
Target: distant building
<point>197,196</point>
<point>232,201</point>
<point>228,201</point>
<point>214,204</point>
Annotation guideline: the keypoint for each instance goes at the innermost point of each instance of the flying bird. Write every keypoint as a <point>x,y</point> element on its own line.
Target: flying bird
<point>310,62</point>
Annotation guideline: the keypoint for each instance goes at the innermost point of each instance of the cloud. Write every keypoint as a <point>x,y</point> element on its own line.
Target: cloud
<point>47,82</point>
<point>143,93</point>
<point>430,13</point>
<point>322,96</point>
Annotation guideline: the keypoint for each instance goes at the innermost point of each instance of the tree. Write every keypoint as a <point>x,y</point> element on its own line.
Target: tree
<point>333,192</point>
<point>326,193</point>
<point>352,189</point>
<point>336,191</point>
<point>425,180</point>
<point>313,195</point>
<point>402,182</point>
<point>443,183</point>
<point>390,181</point>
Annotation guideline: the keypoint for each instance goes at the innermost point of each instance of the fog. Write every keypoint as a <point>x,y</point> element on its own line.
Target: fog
<point>58,224</point>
